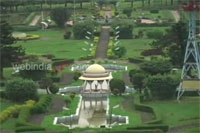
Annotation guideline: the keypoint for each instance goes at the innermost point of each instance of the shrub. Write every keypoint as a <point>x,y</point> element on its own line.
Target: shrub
<point>162,86</point>
<point>14,109</point>
<point>80,29</point>
<point>125,28</point>
<point>34,70</point>
<point>117,84</point>
<point>156,34</point>
<point>58,62</point>
<point>156,67</point>
<point>135,60</point>
<point>127,11</point>
<point>21,90</point>
<point>60,16</point>
<point>76,75</point>
<point>25,28</point>
<point>54,89</point>
<point>138,80</point>
<point>2,94</point>
<point>42,105</point>
<point>67,34</point>
<point>154,11</point>
<point>119,51</point>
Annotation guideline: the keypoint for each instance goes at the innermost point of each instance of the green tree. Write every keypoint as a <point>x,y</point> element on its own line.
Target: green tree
<point>174,42</point>
<point>60,16</point>
<point>138,80</point>
<point>128,12</point>
<point>117,84</point>
<point>54,89</point>
<point>80,29</point>
<point>46,83</point>
<point>162,86</point>
<point>8,53</point>
<point>156,67</point>
<point>21,90</point>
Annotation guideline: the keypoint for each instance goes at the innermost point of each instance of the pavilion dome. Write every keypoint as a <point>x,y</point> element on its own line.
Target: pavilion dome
<point>95,69</point>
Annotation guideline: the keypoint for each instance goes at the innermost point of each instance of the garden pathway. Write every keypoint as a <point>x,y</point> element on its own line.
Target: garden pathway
<point>57,106</point>
<point>103,43</point>
<point>35,20</point>
<point>176,15</point>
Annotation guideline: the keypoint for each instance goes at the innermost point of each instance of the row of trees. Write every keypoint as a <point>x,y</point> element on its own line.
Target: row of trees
<point>16,3</point>
<point>153,79</point>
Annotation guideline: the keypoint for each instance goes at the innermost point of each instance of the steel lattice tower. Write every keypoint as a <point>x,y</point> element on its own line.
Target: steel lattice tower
<point>192,55</point>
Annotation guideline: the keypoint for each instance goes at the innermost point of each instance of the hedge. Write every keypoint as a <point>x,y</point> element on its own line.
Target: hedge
<point>14,109</point>
<point>29,128</point>
<point>25,28</point>
<point>62,62</point>
<point>146,108</point>
<point>42,105</point>
<point>136,60</point>
<point>162,127</point>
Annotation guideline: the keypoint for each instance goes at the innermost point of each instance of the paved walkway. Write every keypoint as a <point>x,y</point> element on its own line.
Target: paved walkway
<point>176,15</point>
<point>35,20</point>
<point>103,43</point>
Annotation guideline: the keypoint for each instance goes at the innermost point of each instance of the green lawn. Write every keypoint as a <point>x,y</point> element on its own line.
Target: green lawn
<point>176,113</point>
<point>135,46</point>
<point>126,108</point>
<point>48,120</point>
<point>52,42</point>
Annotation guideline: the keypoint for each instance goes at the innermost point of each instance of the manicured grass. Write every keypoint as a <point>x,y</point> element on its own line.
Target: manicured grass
<point>126,108</point>
<point>146,29</point>
<point>52,42</point>
<point>48,120</point>
<point>135,46</point>
<point>178,113</point>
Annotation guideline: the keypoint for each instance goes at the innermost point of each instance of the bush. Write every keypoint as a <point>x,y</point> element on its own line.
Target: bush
<point>67,34</point>
<point>117,84</point>
<point>156,34</point>
<point>53,89</point>
<point>2,94</point>
<point>60,16</point>
<point>136,60</point>
<point>162,86</point>
<point>21,90</point>
<point>156,67</point>
<point>120,51</point>
<point>125,28</point>
<point>4,115</point>
<point>42,105</point>
<point>154,11</point>
<point>80,29</point>
<point>127,11</point>
<point>76,75</point>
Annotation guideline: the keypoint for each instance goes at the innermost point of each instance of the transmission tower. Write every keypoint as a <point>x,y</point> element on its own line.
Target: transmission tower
<point>190,77</point>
